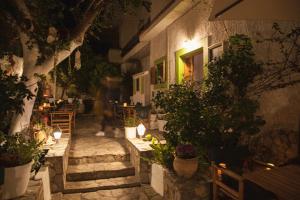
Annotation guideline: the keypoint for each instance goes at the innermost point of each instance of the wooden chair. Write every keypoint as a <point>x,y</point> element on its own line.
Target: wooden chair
<point>71,108</point>
<point>219,186</point>
<point>63,119</point>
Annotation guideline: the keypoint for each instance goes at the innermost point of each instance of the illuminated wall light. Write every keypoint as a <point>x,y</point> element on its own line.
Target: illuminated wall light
<point>191,45</point>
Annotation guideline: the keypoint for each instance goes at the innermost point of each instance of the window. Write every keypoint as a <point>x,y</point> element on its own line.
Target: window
<point>160,69</point>
<point>193,66</point>
<point>215,51</point>
<point>159,73</point>
<point>137,84</point>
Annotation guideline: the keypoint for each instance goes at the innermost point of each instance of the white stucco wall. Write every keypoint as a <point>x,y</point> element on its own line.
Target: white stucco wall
<point>279,108</point>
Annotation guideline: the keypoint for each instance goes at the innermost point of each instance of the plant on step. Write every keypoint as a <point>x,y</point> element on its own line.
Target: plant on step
<point>131,122</point>
<point>162,154</point>
<point>183,108</point>
<point>186,151</point>
<point>228,111</point>
<point>16,150</point>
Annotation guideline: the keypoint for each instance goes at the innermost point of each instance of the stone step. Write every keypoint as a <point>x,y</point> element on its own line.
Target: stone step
<point>95,171</point>
<point>116,194</point>
<point>101,184</point>
<point>102,158</point>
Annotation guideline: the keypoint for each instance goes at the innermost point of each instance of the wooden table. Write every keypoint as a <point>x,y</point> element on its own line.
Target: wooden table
<point>284,182</point>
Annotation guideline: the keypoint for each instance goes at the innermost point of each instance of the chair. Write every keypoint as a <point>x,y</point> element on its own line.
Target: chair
<point>220,186</point>
<point>63,119</point>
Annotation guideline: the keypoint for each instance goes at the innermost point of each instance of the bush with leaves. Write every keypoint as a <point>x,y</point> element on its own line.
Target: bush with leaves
<point>216,114</point>
<point>13,91</point>
<point>16,150</point>
<point>183,108</point>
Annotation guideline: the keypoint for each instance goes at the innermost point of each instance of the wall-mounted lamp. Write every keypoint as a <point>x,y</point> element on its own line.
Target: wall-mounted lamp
<point>191,45</point>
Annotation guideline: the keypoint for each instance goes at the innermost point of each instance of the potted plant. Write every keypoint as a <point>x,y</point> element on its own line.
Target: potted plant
<point>72,92</point>
<point>186,162</point>
<point>162,158</point>
<point>130,124</point>
<point>17,155</point>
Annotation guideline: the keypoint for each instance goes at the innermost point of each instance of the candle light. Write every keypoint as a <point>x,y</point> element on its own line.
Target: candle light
<point>125,104</point>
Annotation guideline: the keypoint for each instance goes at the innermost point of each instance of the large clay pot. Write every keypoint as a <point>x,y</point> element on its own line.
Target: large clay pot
<point>16,180</point>
<point>130,132</point>
<point>185,167</point>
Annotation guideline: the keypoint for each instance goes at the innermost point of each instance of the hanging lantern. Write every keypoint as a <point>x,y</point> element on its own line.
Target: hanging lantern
<point>77,60</point>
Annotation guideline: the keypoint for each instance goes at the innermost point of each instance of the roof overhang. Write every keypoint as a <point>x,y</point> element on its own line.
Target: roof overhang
<point>176,10</point>
<point>273,10</point>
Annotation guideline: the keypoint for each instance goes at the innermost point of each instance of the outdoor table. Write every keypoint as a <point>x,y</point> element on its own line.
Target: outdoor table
<point>284,181</point>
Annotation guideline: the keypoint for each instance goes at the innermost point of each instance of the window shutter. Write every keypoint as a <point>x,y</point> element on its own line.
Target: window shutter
<point>142,84</point>
<point>134,86</point>
<point>153,76</point>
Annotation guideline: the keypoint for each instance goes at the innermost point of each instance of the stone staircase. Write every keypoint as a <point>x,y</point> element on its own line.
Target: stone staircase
<point>92,177</point>
<point>98,164</point>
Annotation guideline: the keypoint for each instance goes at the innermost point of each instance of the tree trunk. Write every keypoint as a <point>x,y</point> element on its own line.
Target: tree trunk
<point>22,121</point>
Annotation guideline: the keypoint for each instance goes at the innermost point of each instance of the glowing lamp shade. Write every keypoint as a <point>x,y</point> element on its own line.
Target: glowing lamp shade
<point>141,129</point>
<point>57,133</point>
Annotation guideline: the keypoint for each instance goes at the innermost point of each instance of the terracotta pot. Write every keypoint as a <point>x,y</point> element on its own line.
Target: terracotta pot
<point>185,167</point>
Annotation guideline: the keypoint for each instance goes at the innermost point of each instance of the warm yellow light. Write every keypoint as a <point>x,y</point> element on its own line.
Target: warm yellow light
<point>125,104</point>
<point>271,164</point>
<point>141,129</point>
<point>268,168</point>
<point>191,45</point>
<point>223,165</point>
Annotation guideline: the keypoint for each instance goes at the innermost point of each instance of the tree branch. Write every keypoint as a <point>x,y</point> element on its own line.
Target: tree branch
<point>76,38</point>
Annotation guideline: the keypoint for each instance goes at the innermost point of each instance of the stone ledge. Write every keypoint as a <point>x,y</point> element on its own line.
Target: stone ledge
<point>57,161</point>
<point>139,150</point>
<point>195,188</point>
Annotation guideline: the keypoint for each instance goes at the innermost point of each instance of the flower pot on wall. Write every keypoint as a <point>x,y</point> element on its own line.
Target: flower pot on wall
<point>157,178</point>
<point>185,167</point>
<point>161,124</point>
<point>130,132</point>
<point>16,180</point>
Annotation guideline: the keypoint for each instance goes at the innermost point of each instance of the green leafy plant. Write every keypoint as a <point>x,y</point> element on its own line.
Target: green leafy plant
<point>183,108</point>
<point>16,150</point>
<point>13,91</point>
<point>214,115</point>
<point>130,122</point>
<point>162,153</point>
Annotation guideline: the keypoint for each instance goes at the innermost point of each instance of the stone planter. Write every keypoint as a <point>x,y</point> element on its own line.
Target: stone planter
<point>185,167</point>
<point>130,132</point>
<point>161,124</point>
<point>16,180</point>
<point>157,178</point>
<point>70,100</point>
